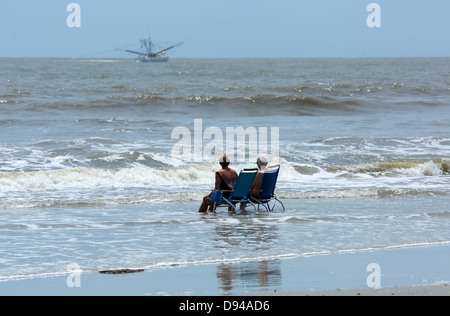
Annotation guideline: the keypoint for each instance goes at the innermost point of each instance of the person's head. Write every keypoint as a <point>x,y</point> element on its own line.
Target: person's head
<point>224,161</point>
<point>262,162</point>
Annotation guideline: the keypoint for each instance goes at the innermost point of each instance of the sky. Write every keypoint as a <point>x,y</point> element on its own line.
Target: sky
<point>226,28</point>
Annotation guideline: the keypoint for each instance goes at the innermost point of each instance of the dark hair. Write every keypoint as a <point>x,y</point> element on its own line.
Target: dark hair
<point>224,164</point>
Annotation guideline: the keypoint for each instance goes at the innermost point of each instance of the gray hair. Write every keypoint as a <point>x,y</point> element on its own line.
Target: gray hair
<point>262,160</point>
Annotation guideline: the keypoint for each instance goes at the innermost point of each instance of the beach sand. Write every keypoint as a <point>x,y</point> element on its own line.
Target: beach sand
<point>438,290</point>
<point>422,270</point>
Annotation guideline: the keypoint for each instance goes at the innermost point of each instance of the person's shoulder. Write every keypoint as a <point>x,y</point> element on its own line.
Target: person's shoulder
<point>221,172</point>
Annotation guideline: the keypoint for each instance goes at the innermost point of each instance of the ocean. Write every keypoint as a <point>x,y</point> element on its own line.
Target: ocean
<point>88,174</point>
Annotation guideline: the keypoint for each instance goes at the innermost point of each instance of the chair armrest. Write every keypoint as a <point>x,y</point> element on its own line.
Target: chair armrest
<point>223,190</point>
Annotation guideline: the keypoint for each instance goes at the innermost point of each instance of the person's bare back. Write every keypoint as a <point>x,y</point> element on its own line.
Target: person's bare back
<point>227,176</point>
<point>225,180</point>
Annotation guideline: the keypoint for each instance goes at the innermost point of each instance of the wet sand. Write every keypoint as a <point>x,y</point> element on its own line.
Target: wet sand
<point>413,271</point>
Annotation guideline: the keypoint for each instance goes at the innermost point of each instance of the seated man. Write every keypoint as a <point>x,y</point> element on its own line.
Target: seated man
<point>257,184</point>
<point>225,180</point>
<point>255,190</point>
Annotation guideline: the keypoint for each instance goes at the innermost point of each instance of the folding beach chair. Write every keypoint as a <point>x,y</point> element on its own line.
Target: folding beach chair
<point>267,194</point>
<point>240,192</point>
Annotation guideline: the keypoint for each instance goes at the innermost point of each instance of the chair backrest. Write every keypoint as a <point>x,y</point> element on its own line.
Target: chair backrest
<point>269,182</point>
<point>244,183</point>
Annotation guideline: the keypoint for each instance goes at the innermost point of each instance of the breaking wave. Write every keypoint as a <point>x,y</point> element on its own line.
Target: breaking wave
<point>92,187</point>
<point>93,178</point>
<point>199,174</point>
<point>412,168</point>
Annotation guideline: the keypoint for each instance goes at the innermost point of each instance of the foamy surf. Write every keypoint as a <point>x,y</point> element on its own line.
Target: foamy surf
<point>83,187</point>
<point>186,175</point>
<point>393,168</point>
<point>92,178</point>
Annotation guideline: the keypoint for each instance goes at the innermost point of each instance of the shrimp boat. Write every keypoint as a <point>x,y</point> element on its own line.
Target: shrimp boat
<point>148,54</point>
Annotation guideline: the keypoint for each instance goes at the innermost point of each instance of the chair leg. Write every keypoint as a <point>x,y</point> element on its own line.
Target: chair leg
<point>254,207</point>
<point>231,204</point>
<point>242,206</point>
<point>259,203</point>
<point>284,209</point>
<point>265,206</point>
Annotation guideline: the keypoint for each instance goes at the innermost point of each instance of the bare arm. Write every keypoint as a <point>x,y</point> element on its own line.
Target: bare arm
<point>218,181</point>
<point>256,187</point>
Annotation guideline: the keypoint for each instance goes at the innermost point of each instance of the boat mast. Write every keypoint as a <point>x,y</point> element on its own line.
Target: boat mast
<point>147,44</point>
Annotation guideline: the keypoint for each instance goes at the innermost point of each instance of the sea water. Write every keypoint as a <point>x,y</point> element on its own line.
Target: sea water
<point>88,177</point>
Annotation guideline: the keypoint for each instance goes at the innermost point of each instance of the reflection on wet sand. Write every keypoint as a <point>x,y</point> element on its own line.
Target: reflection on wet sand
<point>251,276</point>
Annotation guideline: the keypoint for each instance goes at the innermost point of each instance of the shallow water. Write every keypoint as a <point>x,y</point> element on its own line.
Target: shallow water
<point>87,173</point>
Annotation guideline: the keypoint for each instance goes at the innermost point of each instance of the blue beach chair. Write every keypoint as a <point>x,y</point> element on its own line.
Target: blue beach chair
<point>240,192</point>
<point>268,186</point>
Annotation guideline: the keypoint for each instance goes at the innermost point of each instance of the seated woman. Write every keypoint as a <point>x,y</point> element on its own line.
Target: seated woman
<point>225,180</point>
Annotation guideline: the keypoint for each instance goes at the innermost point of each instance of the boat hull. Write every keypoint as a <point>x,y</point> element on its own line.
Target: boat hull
<point>162,59</point>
